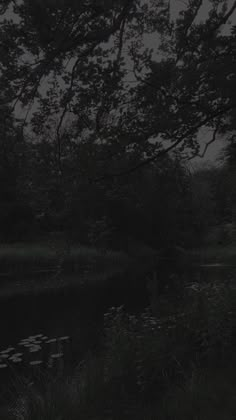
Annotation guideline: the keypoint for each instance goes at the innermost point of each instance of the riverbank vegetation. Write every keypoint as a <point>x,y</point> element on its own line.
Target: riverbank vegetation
<point>176,366</point>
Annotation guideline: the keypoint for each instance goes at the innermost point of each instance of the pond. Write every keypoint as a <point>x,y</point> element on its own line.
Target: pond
<point>57,328</point>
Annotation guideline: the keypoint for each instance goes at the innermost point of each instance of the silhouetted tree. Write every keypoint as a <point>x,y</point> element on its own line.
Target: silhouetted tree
<point>71,59</point>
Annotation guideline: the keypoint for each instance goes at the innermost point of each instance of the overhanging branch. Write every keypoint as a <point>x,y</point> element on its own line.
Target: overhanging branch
<point>212,140</point>
<point>164,152</point>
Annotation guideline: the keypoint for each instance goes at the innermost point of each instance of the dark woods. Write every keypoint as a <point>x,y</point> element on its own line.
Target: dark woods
<point>164,204</point>
<point>104,107</point>
<point>86,103</point>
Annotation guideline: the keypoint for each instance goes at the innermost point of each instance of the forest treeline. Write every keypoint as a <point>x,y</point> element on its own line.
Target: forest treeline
<point>96,126</point>
<point>161,205</point>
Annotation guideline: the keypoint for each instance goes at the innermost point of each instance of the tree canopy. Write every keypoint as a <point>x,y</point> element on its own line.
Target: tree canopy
<point>84,73</point>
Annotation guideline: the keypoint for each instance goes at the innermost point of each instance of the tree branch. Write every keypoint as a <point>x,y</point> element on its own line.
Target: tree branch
<point>102,108</point>
<point>209,32</point>
<point>226,17</point>
<point>104,34</point>
<point>93,40</point>
<point>212,140</point>
<point>187,27</point>
<point>163,152</point>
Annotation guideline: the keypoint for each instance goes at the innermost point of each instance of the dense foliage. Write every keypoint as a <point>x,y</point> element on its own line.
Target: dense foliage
<point>85,102</point>
<point>96,132</point>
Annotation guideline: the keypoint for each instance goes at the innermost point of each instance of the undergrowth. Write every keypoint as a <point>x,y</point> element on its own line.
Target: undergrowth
<point>178,367</point>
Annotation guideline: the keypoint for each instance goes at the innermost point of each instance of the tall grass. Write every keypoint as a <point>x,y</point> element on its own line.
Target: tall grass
<point>202,397</point>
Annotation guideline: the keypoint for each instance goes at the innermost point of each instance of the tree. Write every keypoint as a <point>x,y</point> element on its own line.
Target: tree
<point>72,59</point>
<point>226,190</point>
<point>204,183</point>
<point>16,216</point>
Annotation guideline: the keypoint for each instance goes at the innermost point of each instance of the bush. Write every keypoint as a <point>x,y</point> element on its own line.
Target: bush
<point>142,351</point>
<point>213,314</point>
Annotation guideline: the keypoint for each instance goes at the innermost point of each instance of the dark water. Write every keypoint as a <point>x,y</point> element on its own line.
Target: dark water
<point>54,327</point>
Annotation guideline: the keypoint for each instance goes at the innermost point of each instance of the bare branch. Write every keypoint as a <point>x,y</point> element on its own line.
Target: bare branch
<point>121,41</point>
<point>226,17</point>
<point>102,108</point>
<point>212,140</point>
<point>194,13</point>
<point>69,95</point>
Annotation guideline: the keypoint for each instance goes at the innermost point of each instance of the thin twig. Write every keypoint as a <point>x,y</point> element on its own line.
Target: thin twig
<point>212,140</point>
